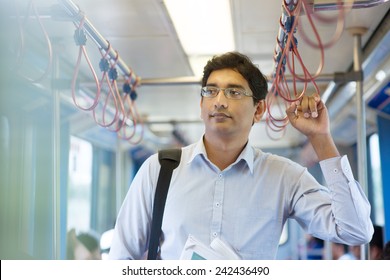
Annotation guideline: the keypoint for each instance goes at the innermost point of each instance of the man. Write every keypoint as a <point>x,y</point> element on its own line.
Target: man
<point>375,246</point>
<point>341,252</point>
<point>226,188</point>
<point>386,251</point>
<point>83,246</point>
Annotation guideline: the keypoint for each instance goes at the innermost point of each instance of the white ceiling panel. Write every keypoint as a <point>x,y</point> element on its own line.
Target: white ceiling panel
<point>143,34</point>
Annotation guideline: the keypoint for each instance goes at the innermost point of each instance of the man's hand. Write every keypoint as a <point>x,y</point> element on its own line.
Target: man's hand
<point>310,117</point>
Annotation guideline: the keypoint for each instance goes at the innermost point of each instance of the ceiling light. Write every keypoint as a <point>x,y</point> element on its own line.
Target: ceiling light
<point>204,27</point>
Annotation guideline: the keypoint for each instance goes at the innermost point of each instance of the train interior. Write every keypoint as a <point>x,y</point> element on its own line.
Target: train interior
<point>91,88</point>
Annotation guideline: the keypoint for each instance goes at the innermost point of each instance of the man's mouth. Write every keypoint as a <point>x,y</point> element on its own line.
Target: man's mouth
<point>219,117</point>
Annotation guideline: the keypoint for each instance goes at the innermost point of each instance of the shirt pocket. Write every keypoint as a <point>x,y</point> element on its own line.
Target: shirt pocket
<point>257,233</point>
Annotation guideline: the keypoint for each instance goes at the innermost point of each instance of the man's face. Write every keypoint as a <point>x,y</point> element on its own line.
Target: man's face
<point>229,117</point>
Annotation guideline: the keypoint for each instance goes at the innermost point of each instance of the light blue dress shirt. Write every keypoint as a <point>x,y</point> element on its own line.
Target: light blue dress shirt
<point>245,205</point>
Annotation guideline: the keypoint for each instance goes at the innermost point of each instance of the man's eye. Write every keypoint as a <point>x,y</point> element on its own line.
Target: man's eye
<point>212,91</point>
<point>235,92</point>
<point>207,91</point>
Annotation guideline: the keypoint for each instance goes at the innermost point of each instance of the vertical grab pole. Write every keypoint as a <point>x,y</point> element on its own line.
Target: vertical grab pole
<point>56,250</point>
<point>118,176</point>
<point>357,33</point>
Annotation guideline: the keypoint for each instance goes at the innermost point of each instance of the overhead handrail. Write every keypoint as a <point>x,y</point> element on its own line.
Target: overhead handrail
<point>288,59</point>
<point>112,110</point>
<point>76,14</point>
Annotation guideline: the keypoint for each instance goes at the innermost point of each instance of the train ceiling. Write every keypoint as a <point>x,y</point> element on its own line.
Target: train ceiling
<point>142,33</point>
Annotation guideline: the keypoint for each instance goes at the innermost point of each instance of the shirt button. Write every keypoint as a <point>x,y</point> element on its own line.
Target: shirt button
<point>220,175</point>
<point>215,234</point>
<point>335,170</point>
<point>217,204</point>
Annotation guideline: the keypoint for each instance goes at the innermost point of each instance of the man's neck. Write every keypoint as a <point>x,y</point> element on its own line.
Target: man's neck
<point>223,152</point>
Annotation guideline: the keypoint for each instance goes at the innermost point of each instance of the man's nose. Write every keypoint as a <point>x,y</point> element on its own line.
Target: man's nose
<point>221,99</point>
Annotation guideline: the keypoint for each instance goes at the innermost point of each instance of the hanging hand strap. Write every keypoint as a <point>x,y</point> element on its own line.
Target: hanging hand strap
<point>169,159</point>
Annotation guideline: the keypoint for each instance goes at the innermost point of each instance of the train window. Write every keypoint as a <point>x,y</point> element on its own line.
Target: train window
<point>79,184</point>
<point>376,179</point>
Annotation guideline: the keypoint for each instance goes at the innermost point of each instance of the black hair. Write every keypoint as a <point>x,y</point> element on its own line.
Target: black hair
<point>386,251</point>
<point>243,65</point>
<point>90,241</point>
<point>377,238</point>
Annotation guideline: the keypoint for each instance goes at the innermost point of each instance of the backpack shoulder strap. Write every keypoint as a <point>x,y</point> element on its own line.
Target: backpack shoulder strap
<point>169,159</point>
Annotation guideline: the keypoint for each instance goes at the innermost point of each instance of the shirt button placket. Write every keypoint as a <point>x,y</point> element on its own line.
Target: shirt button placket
<point>217,207</point>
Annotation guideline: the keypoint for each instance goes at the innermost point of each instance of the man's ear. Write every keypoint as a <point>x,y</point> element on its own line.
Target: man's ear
<point>260,110</point>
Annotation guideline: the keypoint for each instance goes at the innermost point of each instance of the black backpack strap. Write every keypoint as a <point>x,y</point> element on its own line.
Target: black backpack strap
<point>169,159</point>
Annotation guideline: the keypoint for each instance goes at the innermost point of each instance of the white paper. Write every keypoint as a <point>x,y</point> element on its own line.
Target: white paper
<point>217,250</point>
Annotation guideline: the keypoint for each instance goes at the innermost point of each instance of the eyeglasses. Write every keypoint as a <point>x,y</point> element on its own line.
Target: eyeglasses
<point>230,93</point>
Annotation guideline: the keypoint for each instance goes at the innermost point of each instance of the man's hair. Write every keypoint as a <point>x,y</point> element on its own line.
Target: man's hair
<point>243,65</point>
<point>89,240</point>
<point>377,237</point>
<point>386,251</point>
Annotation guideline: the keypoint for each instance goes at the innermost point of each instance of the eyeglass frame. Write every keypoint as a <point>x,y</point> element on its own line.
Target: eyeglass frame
<point>242,92</point>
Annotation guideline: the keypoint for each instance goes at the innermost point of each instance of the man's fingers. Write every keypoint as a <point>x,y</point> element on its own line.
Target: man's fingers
<point>308,106</point>
<point>305,106</point>
<point>291,110</point>
<point>313,107</point>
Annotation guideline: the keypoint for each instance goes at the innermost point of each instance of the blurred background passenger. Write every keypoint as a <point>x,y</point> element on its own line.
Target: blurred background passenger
<point>341,252</point>
<point>315,248</point>
<point>375,245</point>
<point>83,246</point>
<point>386,251</point>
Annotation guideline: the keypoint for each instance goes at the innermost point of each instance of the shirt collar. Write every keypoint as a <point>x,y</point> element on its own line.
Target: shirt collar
<point>198,150</point>
<point>246,155</point>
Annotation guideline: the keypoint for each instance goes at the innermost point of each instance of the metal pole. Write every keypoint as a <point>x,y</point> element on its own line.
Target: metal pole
<point>77,15</point>
<point>118,176</point>
<point>352,4</point>
<point>197,80</point>
<point>357,33</point>
<point>56,165</point>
